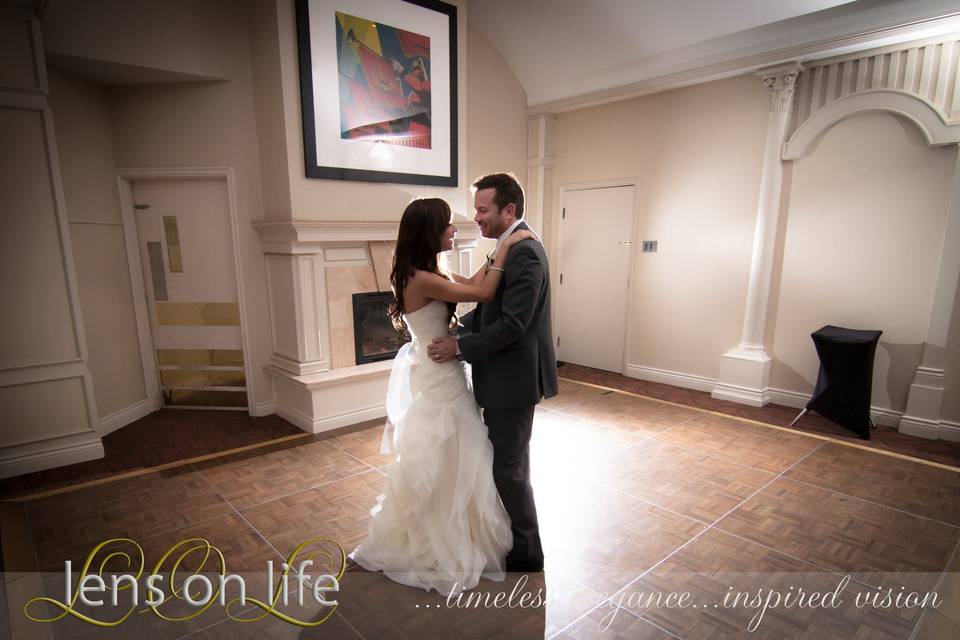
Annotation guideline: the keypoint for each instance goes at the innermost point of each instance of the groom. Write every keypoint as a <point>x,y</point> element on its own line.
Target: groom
<point>511,353</point>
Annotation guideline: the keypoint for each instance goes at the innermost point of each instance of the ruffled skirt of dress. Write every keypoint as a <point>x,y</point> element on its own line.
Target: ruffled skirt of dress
<point>439,524</point>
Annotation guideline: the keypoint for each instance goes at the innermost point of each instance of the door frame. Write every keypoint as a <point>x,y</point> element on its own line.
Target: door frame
<point>566,188</point>
<point>125,179</point>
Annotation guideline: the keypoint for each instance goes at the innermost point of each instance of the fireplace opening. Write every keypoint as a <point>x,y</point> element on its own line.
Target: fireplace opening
<point>374,336</point>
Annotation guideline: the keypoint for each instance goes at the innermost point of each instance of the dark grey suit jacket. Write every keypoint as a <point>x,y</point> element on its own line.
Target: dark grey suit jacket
<point>510,347</point>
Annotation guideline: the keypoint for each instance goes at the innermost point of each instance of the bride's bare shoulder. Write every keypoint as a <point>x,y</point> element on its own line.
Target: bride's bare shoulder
<point>421,275</point>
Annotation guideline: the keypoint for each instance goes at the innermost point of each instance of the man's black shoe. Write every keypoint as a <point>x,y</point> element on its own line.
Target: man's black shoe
<point>524,566</point>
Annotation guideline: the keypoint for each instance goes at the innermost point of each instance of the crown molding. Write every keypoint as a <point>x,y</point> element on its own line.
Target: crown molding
<point>709,68</point>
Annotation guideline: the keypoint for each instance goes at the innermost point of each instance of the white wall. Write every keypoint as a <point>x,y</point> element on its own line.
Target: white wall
<point>697,154</point>
<point>859,244</point>
<point>496,112</point>
<point>85,145</point>
<point>203,124</point>
<point>45,385</point>
<point>178,36</point>
<point>496,119</point>
<point>865,222</point>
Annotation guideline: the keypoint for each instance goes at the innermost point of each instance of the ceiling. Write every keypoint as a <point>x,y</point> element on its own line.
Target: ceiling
<point>571,53</point>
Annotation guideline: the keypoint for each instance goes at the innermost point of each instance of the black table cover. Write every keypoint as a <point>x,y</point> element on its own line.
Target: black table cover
<point>845,381</point>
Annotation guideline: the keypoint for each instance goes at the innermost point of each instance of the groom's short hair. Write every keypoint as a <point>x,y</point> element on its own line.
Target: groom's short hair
<point>507,189</point>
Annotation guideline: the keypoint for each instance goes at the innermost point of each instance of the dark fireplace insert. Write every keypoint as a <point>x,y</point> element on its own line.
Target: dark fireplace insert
<point>374,336</point>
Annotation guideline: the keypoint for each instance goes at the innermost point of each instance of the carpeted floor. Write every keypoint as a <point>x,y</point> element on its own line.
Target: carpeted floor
<point>885,438</point>
<point>161,438</point>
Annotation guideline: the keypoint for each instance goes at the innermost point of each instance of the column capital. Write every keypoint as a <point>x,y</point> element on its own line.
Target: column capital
<point>782,83</point>
<point>542,115</point>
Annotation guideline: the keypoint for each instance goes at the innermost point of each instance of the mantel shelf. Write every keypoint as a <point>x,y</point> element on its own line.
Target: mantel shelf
<point>314,232</point>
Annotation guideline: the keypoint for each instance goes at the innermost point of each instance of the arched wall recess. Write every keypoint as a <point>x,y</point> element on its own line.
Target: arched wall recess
<point>917,81</point>
<point>931,121</point>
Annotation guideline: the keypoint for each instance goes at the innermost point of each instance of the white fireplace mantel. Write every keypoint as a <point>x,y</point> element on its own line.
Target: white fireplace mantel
<point>300,256</point>
<point>306,236</point>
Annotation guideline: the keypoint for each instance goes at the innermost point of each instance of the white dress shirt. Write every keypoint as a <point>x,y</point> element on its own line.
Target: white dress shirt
<point>503,236</point>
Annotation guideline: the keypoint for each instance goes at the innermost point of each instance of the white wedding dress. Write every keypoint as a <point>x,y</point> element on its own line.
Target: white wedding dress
<point>439,524</point>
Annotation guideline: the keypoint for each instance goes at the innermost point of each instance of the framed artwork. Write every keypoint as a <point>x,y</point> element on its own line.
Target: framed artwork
<point>378,89</point>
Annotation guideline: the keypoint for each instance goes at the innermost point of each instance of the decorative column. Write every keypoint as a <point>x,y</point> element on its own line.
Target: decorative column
<point>540,165</point>
<point>461,258</point>
<point>922,416</point>
<point>745,370</point>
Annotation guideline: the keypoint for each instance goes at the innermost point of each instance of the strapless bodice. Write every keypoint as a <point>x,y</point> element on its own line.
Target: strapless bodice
<point>428,322</point>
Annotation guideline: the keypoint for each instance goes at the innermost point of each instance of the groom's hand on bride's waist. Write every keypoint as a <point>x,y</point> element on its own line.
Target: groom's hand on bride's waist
<point>443,349</point>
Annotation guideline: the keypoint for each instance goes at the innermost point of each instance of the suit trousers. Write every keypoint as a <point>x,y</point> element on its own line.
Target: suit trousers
<point>509,430</point>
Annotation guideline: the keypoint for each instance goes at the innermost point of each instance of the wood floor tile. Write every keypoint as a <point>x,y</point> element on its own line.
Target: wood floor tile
<point>612,623</point>
<point>879,545</point>
<point>688,482</point>
<point>632,413</point>
<point>603,539</point>
<point>271,628</point>
<point>621,483</point>
<point>263,478</point>
<point>243,549</point>
<point>245,552</point>
<point>936,626</point>
<point>902,484</point>
<point>71,524</point>
<point>566,601</point>
<point>949,590</point>
<point>210,623</point>
<point>885,438</point>
<point>751,445</point>
<point>562,444</point>
<point>340,510</point>
<point>715,567</point>
<point>182,618</point>
<point>379,608</point>
<point>364,444</point>
<point>571,394</point>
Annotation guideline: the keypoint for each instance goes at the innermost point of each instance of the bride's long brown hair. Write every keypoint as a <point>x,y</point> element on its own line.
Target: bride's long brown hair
<point>418,247</point>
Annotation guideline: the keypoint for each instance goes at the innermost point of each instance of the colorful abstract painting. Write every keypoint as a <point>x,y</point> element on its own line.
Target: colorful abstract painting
<point>384,76</point>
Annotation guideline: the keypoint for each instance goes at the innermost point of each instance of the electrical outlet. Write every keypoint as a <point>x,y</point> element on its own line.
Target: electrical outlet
<point>649,246</point>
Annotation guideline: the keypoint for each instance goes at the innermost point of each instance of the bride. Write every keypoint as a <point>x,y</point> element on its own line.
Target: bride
<point>439,524</point>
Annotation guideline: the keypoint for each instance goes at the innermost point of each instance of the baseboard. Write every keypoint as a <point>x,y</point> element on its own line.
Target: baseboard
<point>296,418</point>
<point>327,423</point>
<point>881,415</point>
<point>784,397</point>
<point>264,408</point>
<point>920,427</point>
<point>886,417</point>
<point>673,378</point>
<point>788,398</point>
<point>950,430</point>
<point>350,417</point>
<point>125,416</point>
<point>741,395</point>
<point>28,457</point>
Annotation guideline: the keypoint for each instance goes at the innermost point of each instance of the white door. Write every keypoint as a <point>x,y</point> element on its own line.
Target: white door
<point>186,249</point>
<point>596,229</point>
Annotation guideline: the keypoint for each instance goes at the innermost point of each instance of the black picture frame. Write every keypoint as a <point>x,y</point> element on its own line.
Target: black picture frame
<point>308,99</point>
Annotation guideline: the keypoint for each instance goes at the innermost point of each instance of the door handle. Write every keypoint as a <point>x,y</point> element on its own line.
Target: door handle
<point>625,242</point>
